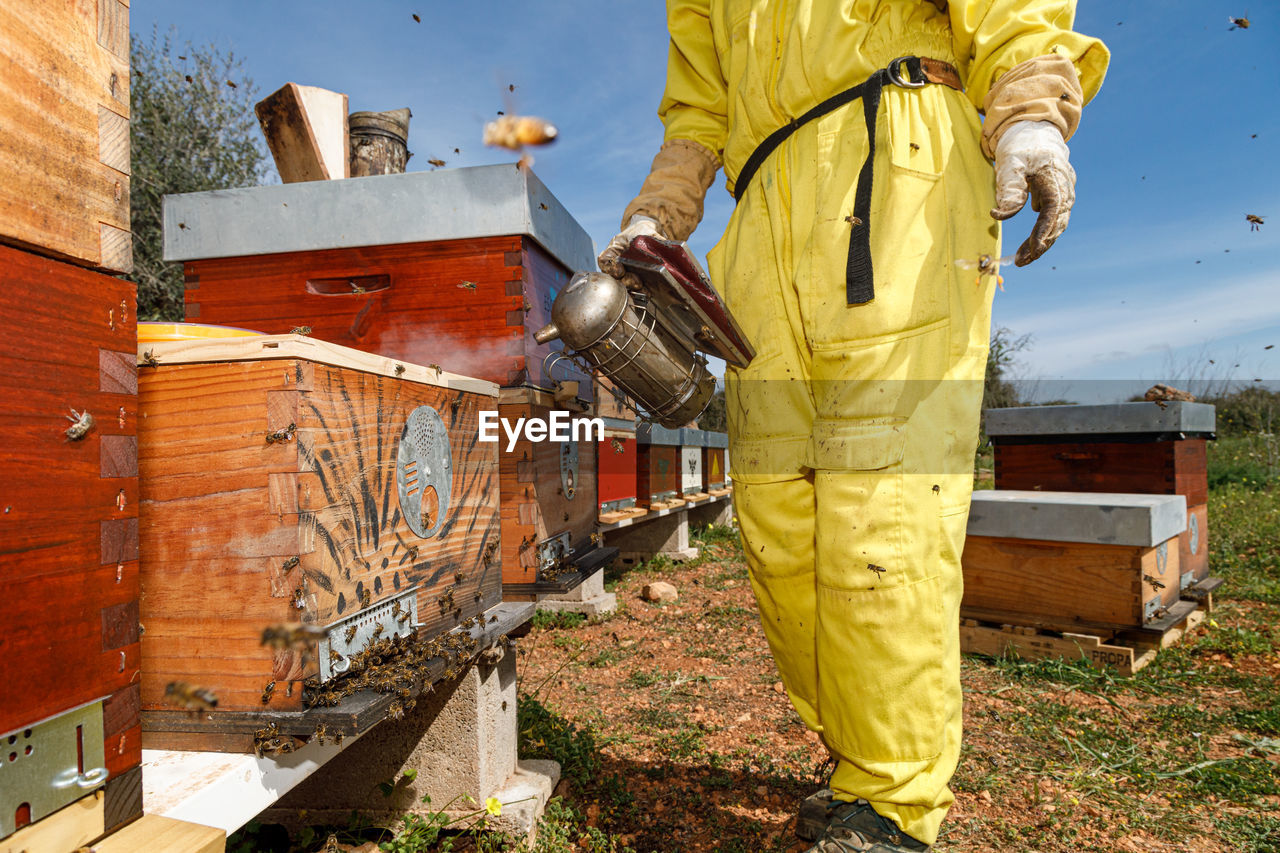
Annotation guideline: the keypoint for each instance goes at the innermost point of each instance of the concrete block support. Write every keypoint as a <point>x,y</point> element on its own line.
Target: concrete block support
<point>666,534</point>
<point>588,598</point>
<point>461,739</point>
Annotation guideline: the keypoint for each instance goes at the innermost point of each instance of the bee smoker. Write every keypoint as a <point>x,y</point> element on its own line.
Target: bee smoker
<point>648,335</point>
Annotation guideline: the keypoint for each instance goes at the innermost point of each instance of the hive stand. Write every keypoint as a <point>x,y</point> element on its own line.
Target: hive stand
<point>588,598</point>
<point>461,739</point>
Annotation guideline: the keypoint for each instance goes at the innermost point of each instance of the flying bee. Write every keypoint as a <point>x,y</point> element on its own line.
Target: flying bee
<point>190,696</point>
<point>291,636</point>
<point>515,132</point>
<point>1254,220</point>
<point>267,691</point>
<point>1238,23</point>
<point>300,330</point>
<point>436,161</point>
<point>81,423</point>
<point>1155,583</point>
<point>986,265</point>
<point>351,633</point>
<point>468,285</point>
<point>396,711</point>
<point>355,288</point>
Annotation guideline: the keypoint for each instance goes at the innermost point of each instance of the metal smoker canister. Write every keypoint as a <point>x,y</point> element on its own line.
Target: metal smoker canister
<point>616,331</point>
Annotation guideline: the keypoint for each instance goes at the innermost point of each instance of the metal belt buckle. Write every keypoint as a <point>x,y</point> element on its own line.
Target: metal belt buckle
<point>891,71</point>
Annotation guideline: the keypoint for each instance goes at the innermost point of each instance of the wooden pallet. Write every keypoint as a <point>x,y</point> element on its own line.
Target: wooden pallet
<point>1126,652</point>
<point>619,515</point>
<point>1202,593</point>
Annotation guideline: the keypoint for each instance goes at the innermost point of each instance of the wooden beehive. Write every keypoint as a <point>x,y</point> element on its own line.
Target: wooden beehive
<point>617,465</point>
<point>658,478</point>
<point>1073,559</point>
<point>714,474</point>
<point>68,521</point>
<point>549,502</point>
<point>64,111</point>
<point>290,480</point>
<point>1127,447</point>
<point>457,267</point>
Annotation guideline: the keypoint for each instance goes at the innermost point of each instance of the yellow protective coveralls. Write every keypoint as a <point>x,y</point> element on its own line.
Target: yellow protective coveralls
<point>853,431</point>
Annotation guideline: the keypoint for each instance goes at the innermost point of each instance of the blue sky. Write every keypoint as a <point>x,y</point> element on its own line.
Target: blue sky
<point>1167,156</point>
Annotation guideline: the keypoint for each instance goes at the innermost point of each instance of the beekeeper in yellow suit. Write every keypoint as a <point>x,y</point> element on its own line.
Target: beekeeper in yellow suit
<point>851,136</point>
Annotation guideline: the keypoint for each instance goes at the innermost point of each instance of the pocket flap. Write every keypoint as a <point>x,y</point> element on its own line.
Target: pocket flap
<point>856,445</point>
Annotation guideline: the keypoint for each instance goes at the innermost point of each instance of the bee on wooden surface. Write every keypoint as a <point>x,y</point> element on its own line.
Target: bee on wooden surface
<point>366,599</point>
<point>459,576</point>
<point>81,423</point>
<point>291,635</point>
<point>879,570</point>
<point>617,445</point>
<point>192,697</point>
<point>1154,582</point>
<point>468,285</point>
<point>290,564</point>
<point>299,599</point>
<point>1238,23</point>
<point>493,618</point>
<point>453,406</point>
<point>267,691</point>
<point>321,731</point>
<point>300,330</point>
<point>1254,220</point>
<point>338,738</point>
<point>149,359</point>
<point>437,368</point>
<point>412,551</point>
<point>395,711</point>
<point>489,550</point>
<point>399,370</point>
<point>282,435</point>
<point>351,633</point>
<point>515,132</point>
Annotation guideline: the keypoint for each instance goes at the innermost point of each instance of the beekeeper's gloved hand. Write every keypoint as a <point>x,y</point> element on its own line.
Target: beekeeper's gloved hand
<point>639,225</point>
<point>1032,156</point>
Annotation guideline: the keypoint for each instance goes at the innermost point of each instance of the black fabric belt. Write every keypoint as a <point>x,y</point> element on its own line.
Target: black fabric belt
<point>859,280</point>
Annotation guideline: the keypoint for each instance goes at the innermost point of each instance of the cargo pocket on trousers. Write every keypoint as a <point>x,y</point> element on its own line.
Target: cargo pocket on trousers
<point>881,672</point>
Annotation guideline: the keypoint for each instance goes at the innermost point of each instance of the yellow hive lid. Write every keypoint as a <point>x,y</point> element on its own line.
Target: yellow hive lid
<point>152,333</point>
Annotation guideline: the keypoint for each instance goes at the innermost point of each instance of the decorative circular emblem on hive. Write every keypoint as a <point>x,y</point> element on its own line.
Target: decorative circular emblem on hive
<point>569,468</point>
<point>424,471</point>
<point>1162,557</point>
<point>1193,525</point>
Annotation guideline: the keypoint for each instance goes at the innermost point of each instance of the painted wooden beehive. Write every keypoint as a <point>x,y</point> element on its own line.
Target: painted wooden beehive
<point>549,500</point>
<point>1125,447</point>
<point>64,164</point>
<point>457,267</point>
<point>69,652</point>
<point>288,480</point>
<point>658,474</point>
<point>617,474</point>
<point>715,475</point>
<point>1074,559</point>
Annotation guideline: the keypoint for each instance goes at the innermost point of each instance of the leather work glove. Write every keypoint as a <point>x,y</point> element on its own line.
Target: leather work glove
<point>1032,156</point>
<point>638,225</point>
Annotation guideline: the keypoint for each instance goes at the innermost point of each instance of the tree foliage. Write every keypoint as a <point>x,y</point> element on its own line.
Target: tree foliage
<point>192,129</point>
